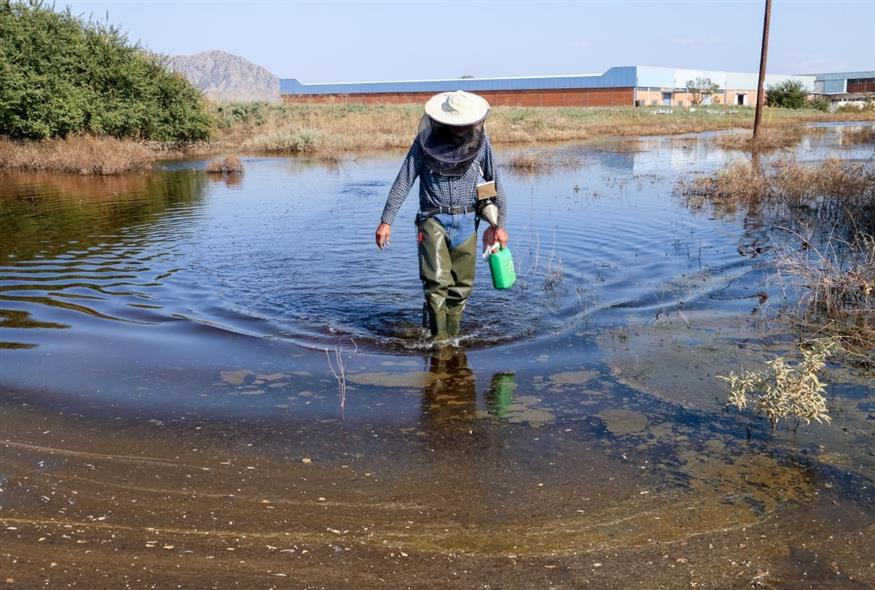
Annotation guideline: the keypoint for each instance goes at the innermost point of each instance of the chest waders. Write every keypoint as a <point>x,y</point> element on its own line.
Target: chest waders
<point>446,266</point>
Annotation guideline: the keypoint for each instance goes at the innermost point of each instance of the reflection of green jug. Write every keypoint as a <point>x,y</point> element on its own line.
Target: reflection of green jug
<point>500,394</point>
<point>501,267</point>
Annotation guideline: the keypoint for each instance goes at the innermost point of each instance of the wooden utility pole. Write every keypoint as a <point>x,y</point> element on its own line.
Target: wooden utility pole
<point>761,95</point>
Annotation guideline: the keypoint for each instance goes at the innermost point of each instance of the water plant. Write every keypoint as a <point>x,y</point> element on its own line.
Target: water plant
<point>784,390</point>
<point>833,285</point>
<point>227,165</point>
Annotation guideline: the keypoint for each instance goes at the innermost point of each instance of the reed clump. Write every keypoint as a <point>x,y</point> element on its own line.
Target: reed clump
<point>770,138</point>
<point>527,161</point>
<point>226,166</point>
<point>858,136</point>
<point>829,273</point>
<point>834,285</point>
<point>746,183</point>
<point>82,154</point>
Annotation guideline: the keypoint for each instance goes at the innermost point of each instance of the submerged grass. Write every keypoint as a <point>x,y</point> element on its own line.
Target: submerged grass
<point>747,183</point>
<point>828,270</point>
<point>770,138</point>
<point>532,161</point>
<point>858,136</point>
<point>835,288</point>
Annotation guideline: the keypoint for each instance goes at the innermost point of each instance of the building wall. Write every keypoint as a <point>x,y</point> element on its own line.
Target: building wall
<point>587,97</point>
<point>655,97</point>
<point>861,85</point>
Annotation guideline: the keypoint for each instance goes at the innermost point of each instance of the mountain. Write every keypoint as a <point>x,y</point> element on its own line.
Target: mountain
<point>226,77</point>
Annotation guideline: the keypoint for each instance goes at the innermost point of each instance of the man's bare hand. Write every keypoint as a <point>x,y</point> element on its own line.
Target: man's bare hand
<point>384,231</point>
<point>492,235</point>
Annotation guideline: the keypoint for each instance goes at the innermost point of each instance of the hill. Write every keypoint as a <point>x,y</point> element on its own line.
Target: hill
<point>226,77</point>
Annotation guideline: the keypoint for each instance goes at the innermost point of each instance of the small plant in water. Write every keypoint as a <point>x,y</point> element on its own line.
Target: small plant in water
<point>228,165</point>
<point>782,390</point>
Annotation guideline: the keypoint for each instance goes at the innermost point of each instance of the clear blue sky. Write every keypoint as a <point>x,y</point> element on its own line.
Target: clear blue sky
<point>347,41</point>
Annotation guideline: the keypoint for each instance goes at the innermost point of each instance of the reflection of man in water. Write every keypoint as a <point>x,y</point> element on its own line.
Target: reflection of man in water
<point>451,155</point>
<point>452,394</point>
<point>451,397</point>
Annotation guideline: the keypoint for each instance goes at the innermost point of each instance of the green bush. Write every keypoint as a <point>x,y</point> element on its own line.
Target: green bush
<point>60,75</point>
<point>820,104</point>
<point>790,94</point>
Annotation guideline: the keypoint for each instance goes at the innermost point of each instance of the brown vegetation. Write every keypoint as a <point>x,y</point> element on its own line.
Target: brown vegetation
<point>831,279</point>
<point>325,131</point>
<point>317,129</point>
<point>537,161</point>
<point>836,292</point>
<point>226,165</point>
<point>744,184</point>
<point>858,136</point>
<point>770,138</point>
<point>78,155</point>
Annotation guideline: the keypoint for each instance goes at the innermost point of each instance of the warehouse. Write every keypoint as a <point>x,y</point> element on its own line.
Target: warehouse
<point>846,87</point>
<point>618,86</point>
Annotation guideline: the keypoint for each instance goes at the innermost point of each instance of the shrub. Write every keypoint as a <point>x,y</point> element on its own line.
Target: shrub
<point>61,76</point>
<point>783,390</point>
<point>789,94</point>
<point>820,103</point>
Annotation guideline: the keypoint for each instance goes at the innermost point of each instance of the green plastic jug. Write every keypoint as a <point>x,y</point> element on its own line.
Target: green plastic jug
<point>501,267</point>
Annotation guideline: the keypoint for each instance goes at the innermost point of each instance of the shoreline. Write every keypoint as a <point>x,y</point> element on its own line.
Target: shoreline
<point>328,132</point>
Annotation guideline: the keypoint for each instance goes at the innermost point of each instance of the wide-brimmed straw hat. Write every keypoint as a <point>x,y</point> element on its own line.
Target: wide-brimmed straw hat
<point>457,108</point>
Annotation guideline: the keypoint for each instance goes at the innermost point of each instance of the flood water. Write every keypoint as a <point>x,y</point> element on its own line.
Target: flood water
<point>172,408</point>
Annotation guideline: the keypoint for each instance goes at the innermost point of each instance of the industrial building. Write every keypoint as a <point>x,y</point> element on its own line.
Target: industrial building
<point>846,87</point>
<point>618,86</point>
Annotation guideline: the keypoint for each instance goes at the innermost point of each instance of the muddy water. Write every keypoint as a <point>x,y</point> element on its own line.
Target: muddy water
<point>169,416</point>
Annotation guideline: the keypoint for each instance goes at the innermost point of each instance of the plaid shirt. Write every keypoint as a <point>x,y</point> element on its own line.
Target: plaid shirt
<point>443,191</point>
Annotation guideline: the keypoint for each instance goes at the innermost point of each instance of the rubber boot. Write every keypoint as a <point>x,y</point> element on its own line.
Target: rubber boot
<point>438,325</point>
<point>454,324</point>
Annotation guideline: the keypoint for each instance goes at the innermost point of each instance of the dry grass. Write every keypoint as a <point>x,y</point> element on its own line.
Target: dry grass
<point>326,131</point>
<point>858,136</point>
<point>835,291</point>
<point>528,161</point>
<point>315,129</point>
<point>830,272</point>
<point>744,184</point>
<point>79,155</point>
<point>226,165</point>
<point>532,161</point>
<point>770,138</point>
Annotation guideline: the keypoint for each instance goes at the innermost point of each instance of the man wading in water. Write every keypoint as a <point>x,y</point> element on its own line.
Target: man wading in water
<point>451,155</point>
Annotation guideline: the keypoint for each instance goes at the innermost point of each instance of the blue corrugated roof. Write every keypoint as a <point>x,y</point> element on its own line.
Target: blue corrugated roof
<point>617,77</point>
<point>844,75</point>
<point>613,78</point>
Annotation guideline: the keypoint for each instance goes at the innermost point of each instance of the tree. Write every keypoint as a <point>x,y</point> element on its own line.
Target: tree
<point>789,94</point>
<point>700,89</point>
<point>61,76</point>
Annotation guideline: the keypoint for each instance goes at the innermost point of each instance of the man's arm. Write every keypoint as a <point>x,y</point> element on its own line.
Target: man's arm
<point>490,172</point>
<point>398,193</point>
